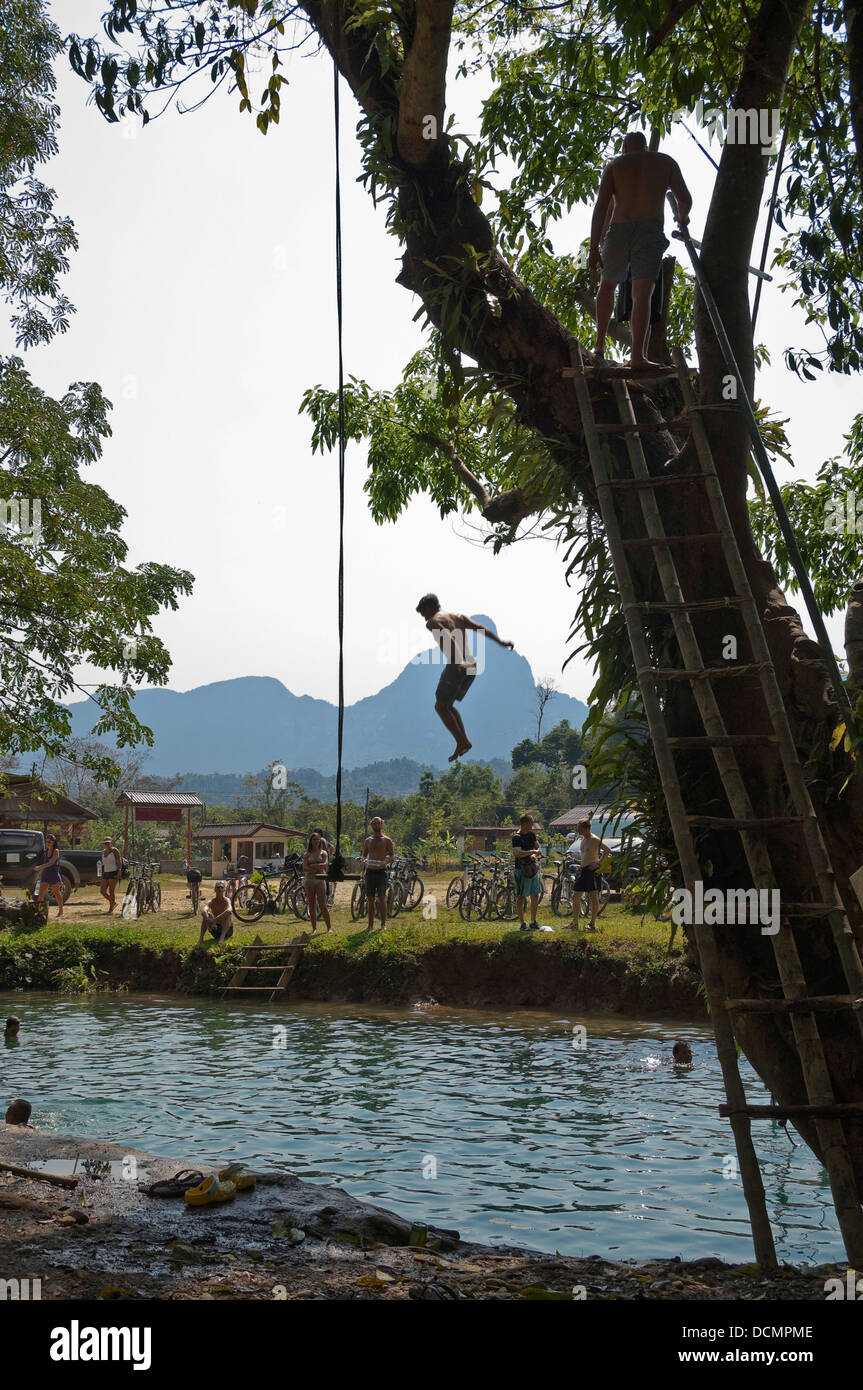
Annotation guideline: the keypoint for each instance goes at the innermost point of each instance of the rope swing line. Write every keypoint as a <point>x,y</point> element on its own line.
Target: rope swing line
<point>336,872</point>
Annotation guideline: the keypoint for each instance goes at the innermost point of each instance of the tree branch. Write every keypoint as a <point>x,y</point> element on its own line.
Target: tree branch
<point>510,507</point>
<point>658,37</point>
<point>854,50</point>
<point>423,89</point>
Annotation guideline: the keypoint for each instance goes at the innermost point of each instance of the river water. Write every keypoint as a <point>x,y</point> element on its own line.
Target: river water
<point>495,1124</point>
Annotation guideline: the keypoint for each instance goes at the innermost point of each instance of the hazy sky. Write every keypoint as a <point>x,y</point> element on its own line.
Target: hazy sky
<point>204,286</point>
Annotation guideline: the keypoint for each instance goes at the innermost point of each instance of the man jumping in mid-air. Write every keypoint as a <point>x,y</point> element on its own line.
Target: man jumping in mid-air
<point>450,631</point>
<point>628,218</point>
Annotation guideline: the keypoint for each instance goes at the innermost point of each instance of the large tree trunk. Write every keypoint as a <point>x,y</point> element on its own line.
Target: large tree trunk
<point>508,332</point>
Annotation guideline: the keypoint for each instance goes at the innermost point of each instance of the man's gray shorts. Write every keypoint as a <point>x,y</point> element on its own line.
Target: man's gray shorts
<point>637,244</point>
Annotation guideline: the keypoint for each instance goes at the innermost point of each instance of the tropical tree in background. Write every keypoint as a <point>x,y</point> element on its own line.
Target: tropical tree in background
<point>483,417</point>
<point>62,560</point>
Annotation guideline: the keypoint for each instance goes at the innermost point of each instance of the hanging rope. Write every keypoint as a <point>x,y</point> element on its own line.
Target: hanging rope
<point>336,872</point>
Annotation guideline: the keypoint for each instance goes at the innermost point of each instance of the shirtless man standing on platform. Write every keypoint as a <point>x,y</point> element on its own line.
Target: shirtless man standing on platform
<point>628,218</point>
<point>450,632</point>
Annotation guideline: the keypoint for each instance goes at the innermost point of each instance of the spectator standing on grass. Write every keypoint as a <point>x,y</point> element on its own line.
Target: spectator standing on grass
<point>331,849</point>
<point>378,855</point>
<point>50,876</point>
<point>593,855</point>
<point>110,864</point>
<point>528,883</point>
<point>315,863</point>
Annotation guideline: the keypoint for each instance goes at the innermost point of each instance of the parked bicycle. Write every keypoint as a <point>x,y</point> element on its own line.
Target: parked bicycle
<point>143,892</point>
<point>193,879</point>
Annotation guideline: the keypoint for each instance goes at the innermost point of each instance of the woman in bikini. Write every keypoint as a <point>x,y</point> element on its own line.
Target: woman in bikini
<point>50,876</point>
<point>315,861</point>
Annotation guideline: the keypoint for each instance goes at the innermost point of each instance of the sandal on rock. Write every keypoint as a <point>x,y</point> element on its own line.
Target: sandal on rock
<point>177,1185</point>
<point>210,1191</point>
<point>239,1174</point>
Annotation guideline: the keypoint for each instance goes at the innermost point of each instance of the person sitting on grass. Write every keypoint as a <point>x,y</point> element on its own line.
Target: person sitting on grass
<point>315,861</point>
<point>217,918</point>
<point>527,853</point>
<point>19,1113</point>
<point>378,855</point>
<point>593,855</point>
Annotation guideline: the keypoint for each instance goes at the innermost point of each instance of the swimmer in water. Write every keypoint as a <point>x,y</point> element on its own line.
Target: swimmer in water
<point>682,1054</point>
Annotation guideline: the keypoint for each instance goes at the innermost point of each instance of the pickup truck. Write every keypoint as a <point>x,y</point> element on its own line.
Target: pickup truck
<point>22,854</point>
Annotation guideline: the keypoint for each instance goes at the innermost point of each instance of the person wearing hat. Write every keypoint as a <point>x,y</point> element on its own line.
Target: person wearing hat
<point>110,865</point>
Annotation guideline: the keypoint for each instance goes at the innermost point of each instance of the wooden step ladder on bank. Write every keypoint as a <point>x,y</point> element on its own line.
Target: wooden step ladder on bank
<point>800,1004</point>
<point>249,965</point>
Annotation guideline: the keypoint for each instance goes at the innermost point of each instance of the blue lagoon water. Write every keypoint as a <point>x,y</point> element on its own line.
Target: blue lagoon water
<point>491,1123</point>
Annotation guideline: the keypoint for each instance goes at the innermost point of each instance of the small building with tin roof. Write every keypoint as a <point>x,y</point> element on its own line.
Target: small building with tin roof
<point>246,845</point>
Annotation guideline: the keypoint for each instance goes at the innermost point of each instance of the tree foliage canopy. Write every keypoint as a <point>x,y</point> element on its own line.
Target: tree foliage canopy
<point>68,596</point>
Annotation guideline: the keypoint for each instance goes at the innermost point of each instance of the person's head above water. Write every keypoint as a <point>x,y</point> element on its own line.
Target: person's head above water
<point>634,141</point>
<point>428,605</point>
<point>13,1024</point>
<point>19,1112</point>
<point>682,1053</point>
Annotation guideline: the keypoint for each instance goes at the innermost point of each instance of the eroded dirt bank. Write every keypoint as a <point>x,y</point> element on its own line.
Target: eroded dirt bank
<point>619,977</point>
<point>106,1239</point>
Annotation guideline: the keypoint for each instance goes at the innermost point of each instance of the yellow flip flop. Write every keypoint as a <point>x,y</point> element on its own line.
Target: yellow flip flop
<point>210,1191</point>
<point>237,1173</point>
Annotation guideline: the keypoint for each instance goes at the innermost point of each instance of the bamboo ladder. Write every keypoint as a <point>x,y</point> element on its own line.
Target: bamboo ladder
<point>248,965</point>
<point>798,1003</point>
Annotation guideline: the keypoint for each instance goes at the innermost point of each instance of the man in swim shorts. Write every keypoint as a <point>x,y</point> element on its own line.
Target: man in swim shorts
<point>217,917</point>
<point>593,855</point>
<point>450,632</point>
<point>628,220</point>
<point>378,854</point>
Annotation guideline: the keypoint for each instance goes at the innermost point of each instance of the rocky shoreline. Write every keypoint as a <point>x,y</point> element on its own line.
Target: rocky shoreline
<point>287,1239</point>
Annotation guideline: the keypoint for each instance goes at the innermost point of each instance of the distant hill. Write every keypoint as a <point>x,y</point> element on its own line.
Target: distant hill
<point>398,777</point>
<point>247,722</point>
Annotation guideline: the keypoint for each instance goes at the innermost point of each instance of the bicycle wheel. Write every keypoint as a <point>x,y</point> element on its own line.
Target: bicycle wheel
<point>249,902</point>
<point>194,896</point>
<point>140,898</point>
<point>473,902</point>
<point>561,897</point>
<point>394,898</point>
<point>282,900</point>
<point>504,903</point>
<point>156,903</point>
<point>454,890</point>
<point>358,902</point>
<point>548,881</point>
<point>415,893</point>
<point>300,903</point>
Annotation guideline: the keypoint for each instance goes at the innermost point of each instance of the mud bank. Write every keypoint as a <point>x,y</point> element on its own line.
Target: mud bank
<point>287,1239</point>
<point>616,977</point>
